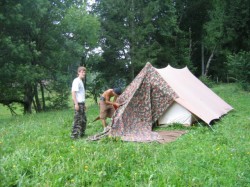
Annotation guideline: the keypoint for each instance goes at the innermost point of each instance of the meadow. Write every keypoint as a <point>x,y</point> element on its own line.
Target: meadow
<point>36,151</point>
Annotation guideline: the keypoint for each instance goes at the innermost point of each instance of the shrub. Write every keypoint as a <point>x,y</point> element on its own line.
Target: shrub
<point>207,81</point>
<point>239,68</point>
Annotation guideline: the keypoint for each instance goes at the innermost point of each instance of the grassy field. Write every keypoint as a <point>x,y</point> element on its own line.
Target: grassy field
<point>36,150</point>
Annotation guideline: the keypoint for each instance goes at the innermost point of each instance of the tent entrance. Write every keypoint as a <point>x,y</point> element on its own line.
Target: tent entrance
<point>176,114</point>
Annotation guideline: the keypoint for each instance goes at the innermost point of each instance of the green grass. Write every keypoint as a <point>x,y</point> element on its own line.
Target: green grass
<point>36,150</point>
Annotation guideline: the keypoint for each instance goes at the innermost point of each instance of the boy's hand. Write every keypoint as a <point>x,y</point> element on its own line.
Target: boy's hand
<point>76,107</point>
<point>117,104</point>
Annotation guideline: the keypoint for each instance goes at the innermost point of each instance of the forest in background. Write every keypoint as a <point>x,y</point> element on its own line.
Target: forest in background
<point>42,42</point>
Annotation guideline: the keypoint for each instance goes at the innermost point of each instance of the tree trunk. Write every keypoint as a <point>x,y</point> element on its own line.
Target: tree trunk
<point>43,98</point>
<point>84,63</point>
<point>28,98</point>
<point>37,101</point>
<point>132,69</point>
<point>209,61</point>
<point>132,53</point>
<point>202,59</point>
<point>34,105</point>
<point>190,43</point>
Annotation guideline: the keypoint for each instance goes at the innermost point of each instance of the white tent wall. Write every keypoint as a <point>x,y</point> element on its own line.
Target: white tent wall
<point>176,114</point>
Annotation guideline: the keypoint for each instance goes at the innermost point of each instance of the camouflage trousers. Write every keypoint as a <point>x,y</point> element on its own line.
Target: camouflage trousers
<point>80,121</point>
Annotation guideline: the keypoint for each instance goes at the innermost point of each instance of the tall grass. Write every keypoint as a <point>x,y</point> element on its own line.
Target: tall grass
<point>36,150</point>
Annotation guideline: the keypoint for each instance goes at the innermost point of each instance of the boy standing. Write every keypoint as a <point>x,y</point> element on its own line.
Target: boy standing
<point>78,96</point>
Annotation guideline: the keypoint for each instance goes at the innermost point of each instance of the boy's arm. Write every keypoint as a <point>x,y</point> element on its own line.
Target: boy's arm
<point>114,102</point>
<point>107,101</point>
<point>115,97</point>
<point>74,100</point>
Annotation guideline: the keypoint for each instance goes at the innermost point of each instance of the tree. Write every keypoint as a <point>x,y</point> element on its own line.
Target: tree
<point>136,32</point>
<point>37,49</point>
<point>81,30</point>
<point>214,30</point>
<point>239,68</point>
<point>192,15</point>
<point>227,33</point>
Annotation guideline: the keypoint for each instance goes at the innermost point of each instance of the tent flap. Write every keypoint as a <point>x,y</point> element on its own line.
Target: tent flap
<point>147,98</point>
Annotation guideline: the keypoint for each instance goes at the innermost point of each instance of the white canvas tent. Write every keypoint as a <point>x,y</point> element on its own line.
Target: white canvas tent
<point>195,100</point>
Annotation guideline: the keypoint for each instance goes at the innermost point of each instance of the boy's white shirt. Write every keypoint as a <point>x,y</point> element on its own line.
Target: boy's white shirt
<point>78,88</point>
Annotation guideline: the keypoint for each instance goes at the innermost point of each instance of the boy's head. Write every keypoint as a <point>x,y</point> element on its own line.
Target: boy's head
<point>117,91</point>
<point>81,72</point>
<point>80,69</point>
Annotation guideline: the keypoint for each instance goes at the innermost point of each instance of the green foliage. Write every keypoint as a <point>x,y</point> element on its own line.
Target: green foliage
<point>44,40</point>
<point>239,68</point>
<point>81,30</point>
<point>191,16</point>
<point>57,102</point>
<point>40,39</point>
<point>214,29</point>
<point>227,31</point>
<point>137,32</point>
<point>36,150</point>
<point>207,81</point>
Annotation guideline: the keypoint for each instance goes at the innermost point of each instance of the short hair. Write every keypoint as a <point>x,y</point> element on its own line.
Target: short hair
<point>81,68</point>
<point>118,91</point>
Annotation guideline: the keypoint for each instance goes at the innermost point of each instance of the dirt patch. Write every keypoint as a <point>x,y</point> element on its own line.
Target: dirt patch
<point>170,136</point>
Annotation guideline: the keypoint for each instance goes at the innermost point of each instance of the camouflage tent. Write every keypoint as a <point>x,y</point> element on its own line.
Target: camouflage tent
<point>151,94</point>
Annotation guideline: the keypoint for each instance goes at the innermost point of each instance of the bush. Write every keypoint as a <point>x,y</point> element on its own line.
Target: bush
<point>207,81</point>
<point>239,68</point>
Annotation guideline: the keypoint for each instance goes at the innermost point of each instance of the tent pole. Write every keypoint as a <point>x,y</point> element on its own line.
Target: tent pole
<point>201,125</point>
<point>211,127</point>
